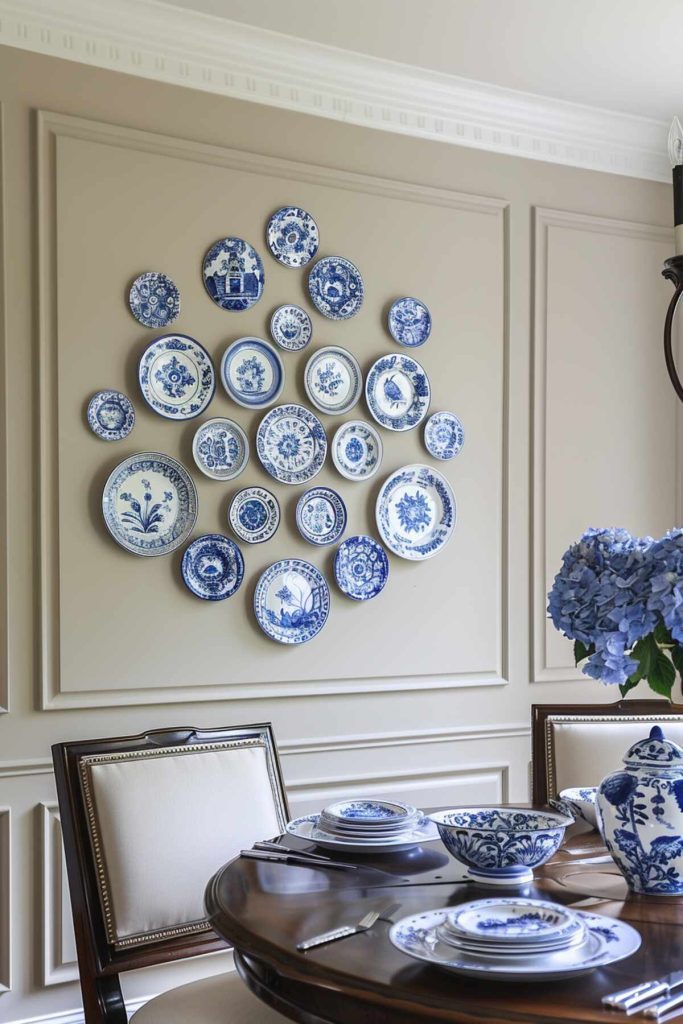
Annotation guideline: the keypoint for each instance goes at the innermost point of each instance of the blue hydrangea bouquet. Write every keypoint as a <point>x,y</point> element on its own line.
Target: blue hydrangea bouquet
<point>620,599</point>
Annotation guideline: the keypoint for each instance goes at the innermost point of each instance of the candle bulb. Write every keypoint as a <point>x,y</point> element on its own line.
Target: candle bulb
<point>676,158</point>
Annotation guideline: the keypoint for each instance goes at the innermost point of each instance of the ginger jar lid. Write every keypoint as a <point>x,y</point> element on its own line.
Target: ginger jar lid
<point>654,752</point>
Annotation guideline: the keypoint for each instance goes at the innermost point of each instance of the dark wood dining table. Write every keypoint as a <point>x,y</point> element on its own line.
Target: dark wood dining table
<point>263,909</point>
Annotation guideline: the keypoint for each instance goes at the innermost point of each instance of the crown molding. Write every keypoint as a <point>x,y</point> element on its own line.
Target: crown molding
<point>155,40</point>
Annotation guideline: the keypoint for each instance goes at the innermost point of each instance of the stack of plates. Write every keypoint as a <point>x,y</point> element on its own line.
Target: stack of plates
<point>365,824</point>
<point>510,928</point>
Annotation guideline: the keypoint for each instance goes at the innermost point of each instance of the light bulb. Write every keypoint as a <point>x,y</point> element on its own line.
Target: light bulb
<point>676,143</point>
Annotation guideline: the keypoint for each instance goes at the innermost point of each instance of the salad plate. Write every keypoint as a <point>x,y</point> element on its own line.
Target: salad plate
<point>357,450</point>
<point>443,435</point>
<point>291,444</point>
<point>220,448</point>
<point>149,504</point>
<point>291,327</point>
<point>154,300</point>
<point>233,274</point>
<point>333,380</point>
<point>177,377</point>
<point>361,568</point>
<point>513,921</point>
<point>307,827</point>
<point>336,287</point>
<point>254,514</point>
<point>213,567</point>
<point>409,321</point>
<point>415,512</point>
<point>369,810</point>
<point>320,515</point>
<point>252,373</point>
<point>291,601</point>
<point>292,236</point>
<point>397,392</point>
<point>111,415</point>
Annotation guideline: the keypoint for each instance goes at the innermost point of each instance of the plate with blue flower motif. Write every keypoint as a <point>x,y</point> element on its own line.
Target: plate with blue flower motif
<point>410,322</point>
<point>252,373</point>
<point>177,377</point>
<point>361,568</point>
<point>149,504</point>
<point>310,828</point>
<point>397,392</point>
<point>233,274</point>
<point>357,450</point>
<point>213,567</point>
<point>336,288</point>
<point>320,515</point>
<point>415,512</point>
<point>333,380</point>
<point>220,448</point>
<point>291,601</point>
<point>443,435</point>
<point>111,415</point>
<point>291,328</point>
<point>154,300</point>
<point>292,236</point>
<point>254,514</point>
<point>291,444</point>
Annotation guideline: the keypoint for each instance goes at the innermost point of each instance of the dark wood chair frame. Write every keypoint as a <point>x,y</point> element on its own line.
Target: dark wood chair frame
<point>543,714</point>
<point>99,963</point>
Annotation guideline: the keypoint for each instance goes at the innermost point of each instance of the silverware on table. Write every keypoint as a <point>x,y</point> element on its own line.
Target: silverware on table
<point>660,1009</point>
<point>647,990</point>
<point>292,858</point>
<point>341,933</point>
<point>270,847</point>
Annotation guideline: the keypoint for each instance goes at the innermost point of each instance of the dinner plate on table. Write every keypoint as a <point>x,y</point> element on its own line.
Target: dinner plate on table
<point>307,828</point>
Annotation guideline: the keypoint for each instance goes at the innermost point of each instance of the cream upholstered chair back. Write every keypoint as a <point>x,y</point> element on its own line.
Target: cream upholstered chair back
<point>578,745</point>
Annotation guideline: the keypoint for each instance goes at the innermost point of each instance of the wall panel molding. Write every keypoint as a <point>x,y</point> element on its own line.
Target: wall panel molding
<point>5,901</point>
<point>58,952</point>
<point>4,518</point>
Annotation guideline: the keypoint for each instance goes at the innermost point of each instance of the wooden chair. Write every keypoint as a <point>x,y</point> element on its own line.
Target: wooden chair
<point>147,820</point>
<point>579,744</point>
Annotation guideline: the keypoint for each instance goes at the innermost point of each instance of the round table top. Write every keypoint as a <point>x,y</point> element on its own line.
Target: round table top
<point>263,909</point>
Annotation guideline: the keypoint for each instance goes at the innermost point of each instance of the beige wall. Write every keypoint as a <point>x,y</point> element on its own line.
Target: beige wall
<point>544,284</point>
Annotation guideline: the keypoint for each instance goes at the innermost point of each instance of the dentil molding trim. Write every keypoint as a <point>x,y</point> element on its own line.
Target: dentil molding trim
<point>154,40</point>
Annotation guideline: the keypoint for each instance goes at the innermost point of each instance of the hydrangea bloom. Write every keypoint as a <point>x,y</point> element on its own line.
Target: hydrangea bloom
<point>667,582</point>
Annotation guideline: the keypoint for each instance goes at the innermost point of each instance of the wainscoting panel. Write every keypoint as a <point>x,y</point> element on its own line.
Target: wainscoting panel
<point>4,523</point>
<point>5,901</point>
<point>59,944</point>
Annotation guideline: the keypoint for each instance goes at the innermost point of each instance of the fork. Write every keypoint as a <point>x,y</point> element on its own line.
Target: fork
<point>341,933</point>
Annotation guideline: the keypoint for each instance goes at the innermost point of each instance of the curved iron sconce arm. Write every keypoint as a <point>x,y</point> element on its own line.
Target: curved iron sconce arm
<point>673,271</point>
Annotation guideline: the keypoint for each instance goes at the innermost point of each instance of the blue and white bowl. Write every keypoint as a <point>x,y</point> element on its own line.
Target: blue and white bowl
<point>580,803</point>
<point>501,845</point>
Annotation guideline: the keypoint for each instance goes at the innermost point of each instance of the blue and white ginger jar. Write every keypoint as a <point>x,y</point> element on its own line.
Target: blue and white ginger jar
<point>640,809</point>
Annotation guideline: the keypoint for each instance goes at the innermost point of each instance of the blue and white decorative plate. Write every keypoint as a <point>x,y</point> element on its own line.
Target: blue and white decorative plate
<point>149,504</point>
<point>357,450</point>
<point>177,377</point>
<point>220,448</point>
<point>361,568</point>
<point>233,274</point>
<point>333,380</point>
<point>410,322</point>
<point>252,373</point>
<point>291,327</point>
<point>320,515</point>
<point>307,827</point>
<point>213,567</point>
<point>444,435</point>
<point>336,287</point>
<point>369,811</point>
<point>154,300</point>
<point>291,444</point>
<point>397,392</point>
<point>254,514</point>
<point>111,415</point>
<point>415,512</point>
<point>292,236</point>
<point>291,601</point>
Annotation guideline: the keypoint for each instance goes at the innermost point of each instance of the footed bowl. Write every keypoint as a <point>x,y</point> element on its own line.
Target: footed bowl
<point>581,803</point>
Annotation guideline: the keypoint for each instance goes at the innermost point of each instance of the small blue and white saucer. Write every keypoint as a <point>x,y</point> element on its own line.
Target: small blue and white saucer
<point>213,567</point>
<point>397,391</point>
<point>254,514</point>
<point>357,450</point>
<point>415,512</point>
<point>410,322</point>
<point>361,568</point>
<point>443,435</point>
<point>291,601</point>
<point>176,376</point>
<point>333,380</point>
<point>320,515</point>
<point>154,300</point>
<point>292,236</point>
<point>252,373</point>
<point>220,448</point>
<point>111,415</point>
<point>233,274</point>
<point>291,444</point>
<point>336,287</point>
<point>291,328</point>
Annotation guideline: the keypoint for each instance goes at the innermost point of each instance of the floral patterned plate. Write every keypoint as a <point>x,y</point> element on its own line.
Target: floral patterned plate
<point>149,504</point>
<point>220,448</point>
<point>415,512</point>
<point>308,828</point>
<point>252,373</point>
<point>254,514</point>
<point>397,392</point>
<point>361,568</point>
<point>333,380</point>
<point>443,435</point>
<point>233,274</point>
<point>154,300</point>
<point>213,567</point>
<point>177,377</point>
<point>320,515</point>
<point>292,236</point>
<point>291,328</point>
<point>291,601</point>
<point>410,322</point>
<point>291,444</point>
<point>336,288</point>
<point>111,415</point>
<point>357,450</point>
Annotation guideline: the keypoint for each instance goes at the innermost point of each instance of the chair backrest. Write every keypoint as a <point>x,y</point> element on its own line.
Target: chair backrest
<point>147,820</point>
<point>579,744</point>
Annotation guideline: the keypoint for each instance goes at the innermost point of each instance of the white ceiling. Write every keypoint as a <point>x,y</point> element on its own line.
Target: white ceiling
<point>617,54</point>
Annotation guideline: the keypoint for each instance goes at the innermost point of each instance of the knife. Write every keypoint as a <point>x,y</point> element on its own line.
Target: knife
<point>276,858</point>
<point>628,997</point>
<point>658,1010</point>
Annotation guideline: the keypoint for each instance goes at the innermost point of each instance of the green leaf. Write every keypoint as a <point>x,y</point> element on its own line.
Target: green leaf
<point>662,634</point>
<point>581,651</point>
<point>662,675</point>
<point>630,683</point>
<point>645,653</point>
<point>676,653</point>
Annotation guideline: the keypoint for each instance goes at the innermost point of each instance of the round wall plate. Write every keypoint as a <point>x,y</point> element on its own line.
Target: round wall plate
<point>333,380</point>
<point>220,448</point>
<point>321,515</point>
<point>252,373</point>
<point>254,514</point>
